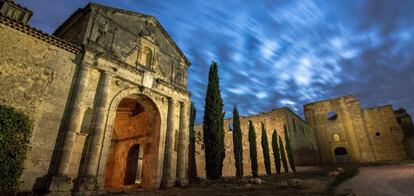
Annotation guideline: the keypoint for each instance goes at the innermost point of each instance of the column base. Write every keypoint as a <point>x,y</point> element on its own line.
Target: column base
<point>167,183</point>
<point>85,185</point>
<point>181,182</point>
<point>61,183</point>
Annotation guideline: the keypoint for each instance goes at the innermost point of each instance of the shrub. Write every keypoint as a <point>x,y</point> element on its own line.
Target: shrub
<point>15,128</point>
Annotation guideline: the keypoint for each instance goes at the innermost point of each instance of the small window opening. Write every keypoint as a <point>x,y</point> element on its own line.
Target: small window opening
<point>332,115</point>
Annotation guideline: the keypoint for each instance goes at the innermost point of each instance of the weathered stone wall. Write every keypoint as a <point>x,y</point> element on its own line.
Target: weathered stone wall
<point>36,78</point>
<point>385,133</point>
<point>354,129</point>
<point>346,130</point>
<point>406,123</point>
<point>302,139</point>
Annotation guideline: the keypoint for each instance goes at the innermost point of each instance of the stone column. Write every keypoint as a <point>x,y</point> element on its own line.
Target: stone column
<point>88,180</point>
<point>61,181</point>
<point>182,146</point>
<point>168,178</point>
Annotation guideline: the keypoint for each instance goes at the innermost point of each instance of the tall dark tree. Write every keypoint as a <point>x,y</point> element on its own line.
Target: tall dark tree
<point>222,145</point>
<point>289,151</point>
<point>283,155</point>
<point>253,150</point>
<point>276,151</point>
<point>237,143</point>
<point>213,131</point>
<point>265,147</point>
<point>192,166</point>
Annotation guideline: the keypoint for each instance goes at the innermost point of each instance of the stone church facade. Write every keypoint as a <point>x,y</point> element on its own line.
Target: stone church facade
<point>107,94</point>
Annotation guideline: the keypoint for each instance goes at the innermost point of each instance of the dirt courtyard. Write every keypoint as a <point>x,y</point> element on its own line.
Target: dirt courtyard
<point>309,182</point>
<point>395,180</point>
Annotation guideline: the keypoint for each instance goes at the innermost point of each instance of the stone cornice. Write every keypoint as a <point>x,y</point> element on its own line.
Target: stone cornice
<point>40,35</point>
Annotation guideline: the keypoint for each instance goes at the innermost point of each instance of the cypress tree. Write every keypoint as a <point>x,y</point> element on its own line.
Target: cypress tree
<point>276,151</point>
<point>289,151</point>
<point>213,130</point>
<point>253,150</point>
<point>265,147</point>
<point>192,167</point>
<point>283,155</point>
<point>221,145</point>
<point>237,143</point>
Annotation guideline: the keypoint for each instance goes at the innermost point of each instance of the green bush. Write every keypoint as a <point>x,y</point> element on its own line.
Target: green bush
<point>15,128</point>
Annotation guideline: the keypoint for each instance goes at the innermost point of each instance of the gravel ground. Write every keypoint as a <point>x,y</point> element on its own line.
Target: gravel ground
<point>395,180</point>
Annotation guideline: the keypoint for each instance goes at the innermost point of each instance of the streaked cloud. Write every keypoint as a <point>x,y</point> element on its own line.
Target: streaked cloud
<point>282,53</point>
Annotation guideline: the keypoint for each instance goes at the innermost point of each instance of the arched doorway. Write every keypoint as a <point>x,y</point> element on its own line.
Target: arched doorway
<point>341,155</point>
<point>133,154</point>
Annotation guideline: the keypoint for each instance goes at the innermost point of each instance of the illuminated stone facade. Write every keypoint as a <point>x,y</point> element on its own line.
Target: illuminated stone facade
<point>108,98</point>
<point>302,138</point>
<point>345,132</point>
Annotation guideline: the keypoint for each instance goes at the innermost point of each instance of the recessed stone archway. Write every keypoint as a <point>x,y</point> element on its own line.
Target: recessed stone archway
<point>133,153</point>
<point>341,155</point>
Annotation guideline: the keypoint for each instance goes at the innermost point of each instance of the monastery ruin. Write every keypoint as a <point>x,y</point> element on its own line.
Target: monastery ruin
<point>107,94</point>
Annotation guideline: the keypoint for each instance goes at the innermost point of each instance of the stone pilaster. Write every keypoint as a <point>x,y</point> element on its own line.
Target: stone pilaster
<point>182,179</point>
<point>88,180</point>
<point>61,182</point>
<point>168,178</point>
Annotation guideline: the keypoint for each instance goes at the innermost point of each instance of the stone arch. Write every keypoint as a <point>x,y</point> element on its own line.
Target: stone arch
<point>149,181</point>
<point>341,155</point>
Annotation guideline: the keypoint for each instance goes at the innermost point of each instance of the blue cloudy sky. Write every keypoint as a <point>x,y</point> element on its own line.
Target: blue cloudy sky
<point>275,53</point>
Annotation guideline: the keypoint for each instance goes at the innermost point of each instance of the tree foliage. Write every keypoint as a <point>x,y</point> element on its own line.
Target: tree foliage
<point>237,143</point>
<point>192,166</point>
<point>15,129</point>
<point>253,150</point>
<point>276,151</point>
<point>265,147</point>
<point>213,131</point>
<point>289,151</point>
<point>283,155</point>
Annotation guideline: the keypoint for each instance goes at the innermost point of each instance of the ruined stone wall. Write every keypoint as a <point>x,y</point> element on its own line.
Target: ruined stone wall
<point>339,123</point>
<point>36,78</point>
<point>385,133</point>
<point>303,141</point>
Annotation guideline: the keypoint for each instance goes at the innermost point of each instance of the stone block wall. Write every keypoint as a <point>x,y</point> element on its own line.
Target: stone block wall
<point>36,78</point>
<point>385,133</point>
<point>302,139</point>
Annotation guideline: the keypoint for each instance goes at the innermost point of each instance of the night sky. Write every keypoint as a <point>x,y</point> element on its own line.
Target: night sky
<point>275,53</point>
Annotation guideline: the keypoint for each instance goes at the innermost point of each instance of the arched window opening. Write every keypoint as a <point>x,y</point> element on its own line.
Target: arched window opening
<point>146,57</point>
<point>336,137</point>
